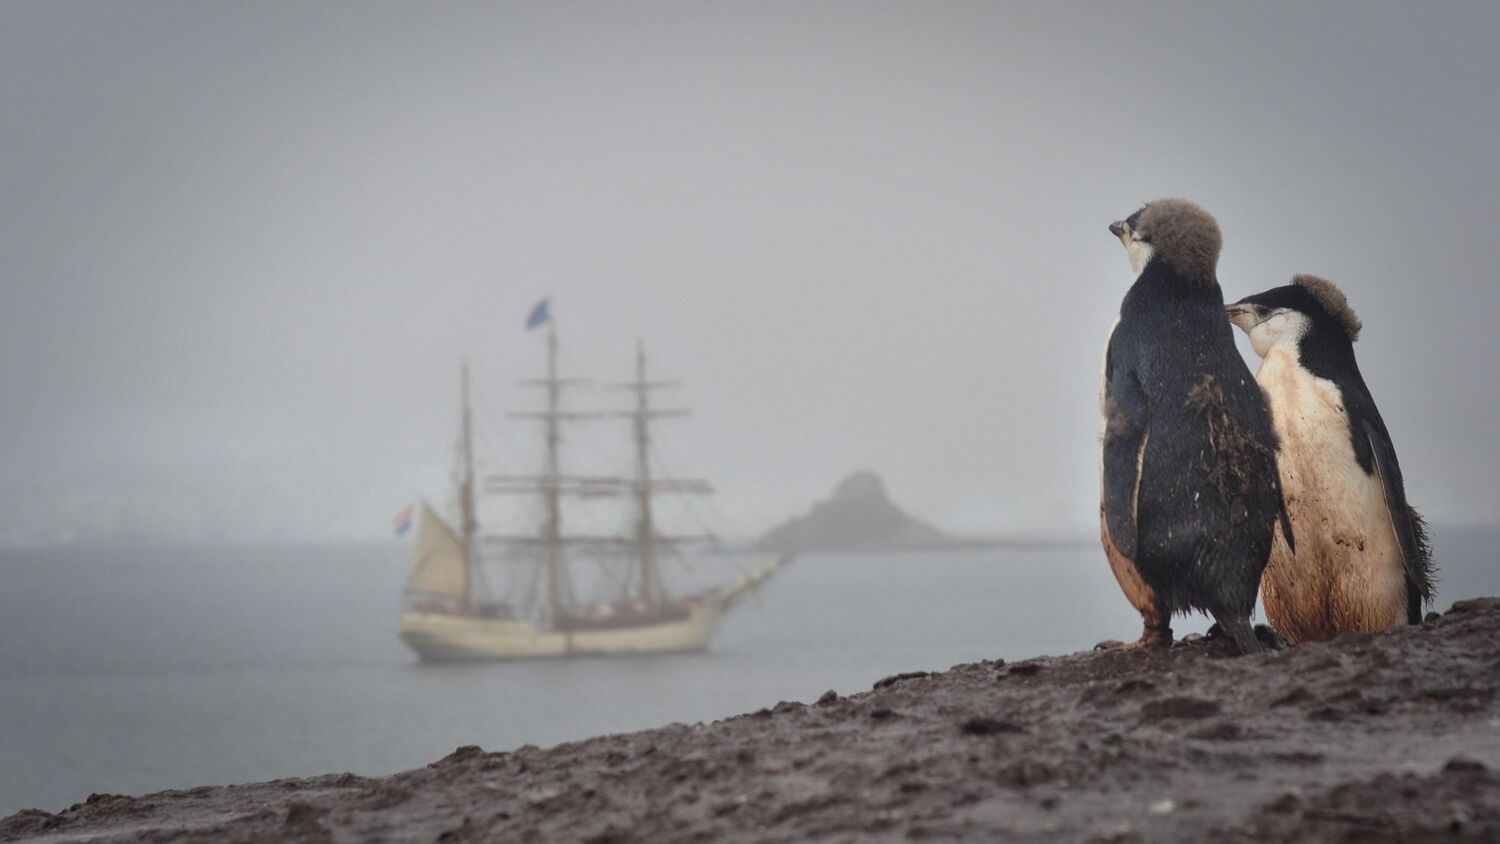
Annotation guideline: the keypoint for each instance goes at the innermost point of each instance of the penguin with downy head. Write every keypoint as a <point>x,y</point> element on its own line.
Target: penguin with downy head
<point>1189,493</point>
<point>1363,561</point>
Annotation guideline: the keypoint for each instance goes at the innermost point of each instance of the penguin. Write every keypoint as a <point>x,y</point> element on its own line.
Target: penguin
<point>1364,562</point>
<point>1189,487</point>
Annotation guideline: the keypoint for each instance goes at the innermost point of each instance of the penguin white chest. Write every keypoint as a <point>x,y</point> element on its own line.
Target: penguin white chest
<point>1348,571</point>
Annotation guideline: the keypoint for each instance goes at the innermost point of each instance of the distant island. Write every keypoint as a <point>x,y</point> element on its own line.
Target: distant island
<point>859,516</point>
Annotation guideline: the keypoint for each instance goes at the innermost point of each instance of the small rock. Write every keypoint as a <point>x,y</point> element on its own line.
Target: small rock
<point>1296,696</point>
<point>303,816</point>
<point>468,751</point>
<point>465,831</point>
<point>1473,605</point>
<point>1222,731</point>
<point>1298,757</point>
<point>988,727</point>
<point>1179,707</point>
<point>610,835</point>
<point>1286,804</point>
<point>896,678</point>
<point>828,697</point>
<point>1270,638</point>
<point>1445,692</point>
<point>1465,764</point>
<point>28,822</point>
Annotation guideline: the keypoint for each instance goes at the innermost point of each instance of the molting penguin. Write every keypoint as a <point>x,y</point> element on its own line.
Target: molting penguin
<point>1363,562</point>
<point>1189,485</point>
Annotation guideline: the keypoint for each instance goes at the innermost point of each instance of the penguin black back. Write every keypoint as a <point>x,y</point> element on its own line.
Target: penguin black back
<point>1190,491</point>
<point>1204,477</point>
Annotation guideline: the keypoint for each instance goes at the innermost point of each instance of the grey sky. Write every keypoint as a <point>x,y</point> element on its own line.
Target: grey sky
<point>245,245</point>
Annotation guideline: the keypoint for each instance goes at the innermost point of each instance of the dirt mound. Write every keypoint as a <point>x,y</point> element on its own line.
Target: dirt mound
<point>1366,738</point>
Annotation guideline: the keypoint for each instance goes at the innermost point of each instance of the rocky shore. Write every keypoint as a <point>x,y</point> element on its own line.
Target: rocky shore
<point>1390,737</point>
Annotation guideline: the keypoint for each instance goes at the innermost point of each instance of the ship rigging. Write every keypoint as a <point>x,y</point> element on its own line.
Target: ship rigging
<point>444,616</point>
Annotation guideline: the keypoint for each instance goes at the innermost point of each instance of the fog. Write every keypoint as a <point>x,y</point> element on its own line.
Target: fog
<point>245,246</point>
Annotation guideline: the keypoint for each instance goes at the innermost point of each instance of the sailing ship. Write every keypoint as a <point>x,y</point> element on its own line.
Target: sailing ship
<point>445,615</point>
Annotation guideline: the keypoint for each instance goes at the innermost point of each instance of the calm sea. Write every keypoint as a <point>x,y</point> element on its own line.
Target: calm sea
<point>133,670</point>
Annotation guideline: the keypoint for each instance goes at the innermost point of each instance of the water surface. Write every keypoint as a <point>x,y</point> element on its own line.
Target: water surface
<point>137,669</point>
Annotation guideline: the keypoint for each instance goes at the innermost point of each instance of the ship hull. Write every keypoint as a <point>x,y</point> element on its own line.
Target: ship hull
<point>439,637</point>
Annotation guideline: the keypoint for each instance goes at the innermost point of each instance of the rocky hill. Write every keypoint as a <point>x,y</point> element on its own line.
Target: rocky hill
<point>859,516</point>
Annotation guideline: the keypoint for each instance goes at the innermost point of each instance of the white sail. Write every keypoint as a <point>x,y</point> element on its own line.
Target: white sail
<point>438,565</point>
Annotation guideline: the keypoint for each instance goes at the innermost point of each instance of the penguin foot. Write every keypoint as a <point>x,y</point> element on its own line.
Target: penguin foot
<point>1151,637</point>
<point>1239,632</point>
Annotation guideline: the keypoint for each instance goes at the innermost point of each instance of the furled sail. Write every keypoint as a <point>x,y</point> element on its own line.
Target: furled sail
<point>438,565</point>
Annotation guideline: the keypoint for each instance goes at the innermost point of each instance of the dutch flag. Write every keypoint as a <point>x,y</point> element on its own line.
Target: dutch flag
<point>402,522</point>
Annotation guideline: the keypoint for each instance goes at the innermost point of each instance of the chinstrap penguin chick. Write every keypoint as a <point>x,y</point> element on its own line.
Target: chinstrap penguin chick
<point>1362,561</point>
<point>1189,493</point>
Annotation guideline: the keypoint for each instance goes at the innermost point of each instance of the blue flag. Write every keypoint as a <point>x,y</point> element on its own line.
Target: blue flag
<point>540,315</point>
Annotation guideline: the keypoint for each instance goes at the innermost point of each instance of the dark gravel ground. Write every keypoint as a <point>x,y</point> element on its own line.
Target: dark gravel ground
<point>1391,737</point>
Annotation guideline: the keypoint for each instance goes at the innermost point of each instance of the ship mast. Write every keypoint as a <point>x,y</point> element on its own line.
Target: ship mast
<point>552,484</point>
<point>466,491</point>
<point>649,588</point>
<point>552,527</point>
<point>650,585</point>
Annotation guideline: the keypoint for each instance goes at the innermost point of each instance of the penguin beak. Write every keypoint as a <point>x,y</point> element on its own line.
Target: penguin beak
<point>1242,316</point>
<point>1117,228</point>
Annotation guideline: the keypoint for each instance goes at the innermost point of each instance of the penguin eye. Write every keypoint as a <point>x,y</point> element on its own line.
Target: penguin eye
<point>1261,310</point>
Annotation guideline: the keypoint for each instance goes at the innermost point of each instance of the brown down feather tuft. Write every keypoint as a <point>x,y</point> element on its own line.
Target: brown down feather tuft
<point>1332,299</point>
<point>1184,235</point>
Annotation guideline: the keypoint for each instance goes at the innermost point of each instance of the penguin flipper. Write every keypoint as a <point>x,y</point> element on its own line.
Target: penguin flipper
<point>1285,518</point>
<point>1409,526</point>
<point>1126,432</point>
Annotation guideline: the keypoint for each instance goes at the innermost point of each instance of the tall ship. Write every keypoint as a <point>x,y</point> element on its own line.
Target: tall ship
<point>447,613</point>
